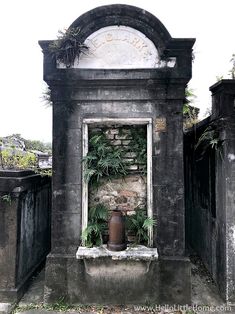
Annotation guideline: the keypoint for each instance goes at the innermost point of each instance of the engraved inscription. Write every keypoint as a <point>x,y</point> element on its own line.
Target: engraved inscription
<point>118,47</point>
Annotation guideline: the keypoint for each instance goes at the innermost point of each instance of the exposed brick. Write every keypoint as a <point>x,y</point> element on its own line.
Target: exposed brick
<point>128,159</point>
<point>127,193</point>
<point>131,155</point>
<point>110,136</point>
<point>120,137</point>
<point>113,131</point>
<point>126,142</point>
<point>118,142</point>
<point>133,167</point>
<point>130,212</point>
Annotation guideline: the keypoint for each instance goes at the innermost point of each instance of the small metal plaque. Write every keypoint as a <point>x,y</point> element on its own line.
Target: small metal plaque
<point>160,125</point>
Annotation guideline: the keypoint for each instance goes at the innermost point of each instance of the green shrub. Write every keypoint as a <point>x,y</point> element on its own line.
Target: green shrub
<point>12,159</point>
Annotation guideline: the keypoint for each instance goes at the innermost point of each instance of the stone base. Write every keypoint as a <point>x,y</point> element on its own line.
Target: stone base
<point>15,294</point>
<point>10,295</point>
<point>175,280</point>
<point>104,280</point>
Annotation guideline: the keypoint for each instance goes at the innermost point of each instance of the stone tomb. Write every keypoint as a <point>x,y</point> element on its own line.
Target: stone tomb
<point>133,73</point>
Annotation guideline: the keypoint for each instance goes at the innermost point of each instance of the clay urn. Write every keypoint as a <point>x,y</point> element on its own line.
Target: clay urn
<point>117,236</point>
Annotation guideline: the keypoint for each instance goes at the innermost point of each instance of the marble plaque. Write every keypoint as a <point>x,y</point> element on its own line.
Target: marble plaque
<point>160,125</point>
<point>118,47</point>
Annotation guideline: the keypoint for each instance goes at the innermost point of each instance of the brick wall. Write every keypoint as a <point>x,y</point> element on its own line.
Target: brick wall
<point>129,192</point>
<point>122,137</point>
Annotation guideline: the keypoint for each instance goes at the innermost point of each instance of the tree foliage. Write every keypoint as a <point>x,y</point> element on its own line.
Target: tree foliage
<point>232,70</point>
<point>38,145</point>
<point>190,112</point>
<point>17,160</point>
<point>29,144</point>
<point>17,153</point>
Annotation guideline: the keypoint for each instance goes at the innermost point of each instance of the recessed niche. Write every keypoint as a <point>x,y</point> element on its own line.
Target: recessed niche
<point>116,167</point>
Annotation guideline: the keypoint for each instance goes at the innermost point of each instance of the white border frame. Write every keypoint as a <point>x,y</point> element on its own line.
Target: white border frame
<point>124,121</point>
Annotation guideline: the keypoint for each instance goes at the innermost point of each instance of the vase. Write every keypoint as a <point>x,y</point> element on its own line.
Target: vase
<point>117,236</point>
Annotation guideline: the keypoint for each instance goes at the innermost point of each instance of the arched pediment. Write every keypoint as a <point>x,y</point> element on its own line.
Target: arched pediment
<point>126,37</point>
<point>125,15</point>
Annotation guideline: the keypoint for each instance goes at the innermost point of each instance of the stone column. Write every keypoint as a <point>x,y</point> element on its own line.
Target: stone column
<point>66,181</point>
<point>168,179</point>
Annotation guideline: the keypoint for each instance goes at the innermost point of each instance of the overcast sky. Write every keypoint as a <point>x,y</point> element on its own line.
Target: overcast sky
<point>24,22</point>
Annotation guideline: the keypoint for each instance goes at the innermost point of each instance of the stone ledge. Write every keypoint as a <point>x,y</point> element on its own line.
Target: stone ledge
<point>16,173</point>
<point>5,308</point>
<point>134,253</point>
<point>19,181</point>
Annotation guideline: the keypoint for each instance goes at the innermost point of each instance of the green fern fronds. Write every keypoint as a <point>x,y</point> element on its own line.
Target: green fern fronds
<point>139,224</point>
<point>97,224</point>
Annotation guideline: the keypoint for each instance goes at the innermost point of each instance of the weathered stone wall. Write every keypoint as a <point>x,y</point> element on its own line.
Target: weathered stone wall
<point>202,217</point>
<point>209,194</point>
<point>25,204</point>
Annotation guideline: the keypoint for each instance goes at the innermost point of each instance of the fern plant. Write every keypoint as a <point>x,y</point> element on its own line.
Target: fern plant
<point>209,139</point>
<point>67,46</point>
<point>103,160</point>
<point>138,145</point>
<point>97,224</point>
<point>139,224</point>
